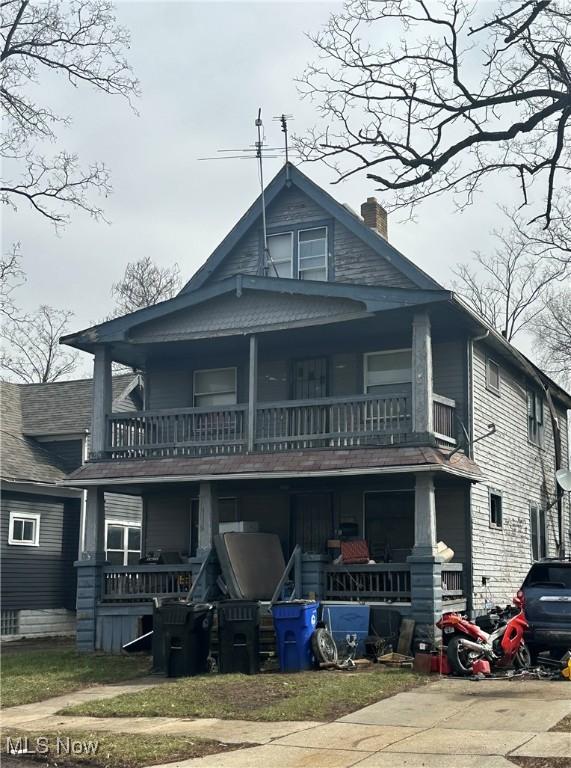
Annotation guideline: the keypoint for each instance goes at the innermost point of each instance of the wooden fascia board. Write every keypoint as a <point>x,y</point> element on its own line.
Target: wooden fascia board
<point>374,298</point>
<point>271,475</point>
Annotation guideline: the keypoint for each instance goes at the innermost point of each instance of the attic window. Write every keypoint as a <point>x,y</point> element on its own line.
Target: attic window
<point>313,254</point>
<point>281,254</point>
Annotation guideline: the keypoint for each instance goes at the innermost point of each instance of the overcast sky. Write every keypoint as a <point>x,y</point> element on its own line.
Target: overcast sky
<point>205,68</point>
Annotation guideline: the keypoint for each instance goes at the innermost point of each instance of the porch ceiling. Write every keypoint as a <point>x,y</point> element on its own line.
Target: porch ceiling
<point>307,463</point>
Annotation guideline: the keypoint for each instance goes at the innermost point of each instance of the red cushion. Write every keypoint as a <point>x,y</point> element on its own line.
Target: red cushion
<point>355,552</point>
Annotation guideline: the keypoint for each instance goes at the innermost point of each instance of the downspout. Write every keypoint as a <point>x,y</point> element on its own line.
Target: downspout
<point>470,532</point>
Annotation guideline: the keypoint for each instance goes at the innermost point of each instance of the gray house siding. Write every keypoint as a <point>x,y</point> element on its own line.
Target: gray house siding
<point>353,260</point>
<point>520,471</point>
<point>69,452</point>
<point>40,577</point>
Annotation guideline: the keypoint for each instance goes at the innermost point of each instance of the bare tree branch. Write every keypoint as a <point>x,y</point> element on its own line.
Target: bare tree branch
<point>144,283</point>
<point>80,40</point>
<point>32,352</point>
<point>11,277</point>
<point>448,105</point>
<point>508,287</point>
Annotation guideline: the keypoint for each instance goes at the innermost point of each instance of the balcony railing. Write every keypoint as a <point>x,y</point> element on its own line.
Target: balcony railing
<point>331,422</point>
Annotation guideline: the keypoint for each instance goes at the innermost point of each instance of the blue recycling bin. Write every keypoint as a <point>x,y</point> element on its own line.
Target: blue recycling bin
<point>294,624</point>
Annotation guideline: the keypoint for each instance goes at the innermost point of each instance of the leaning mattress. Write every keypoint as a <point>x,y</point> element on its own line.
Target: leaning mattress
<point>252,564</point>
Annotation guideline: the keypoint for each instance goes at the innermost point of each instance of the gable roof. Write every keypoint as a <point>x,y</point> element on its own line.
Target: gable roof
<point>58,408</point>
<point>287,176</point>
<point>63,407</point>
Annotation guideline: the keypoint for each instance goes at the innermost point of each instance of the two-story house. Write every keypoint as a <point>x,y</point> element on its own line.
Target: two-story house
<point>320,384</point>
<point>44,435</point>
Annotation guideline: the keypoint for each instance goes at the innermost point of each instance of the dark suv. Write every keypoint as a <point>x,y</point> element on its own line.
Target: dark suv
<point>546,594</point>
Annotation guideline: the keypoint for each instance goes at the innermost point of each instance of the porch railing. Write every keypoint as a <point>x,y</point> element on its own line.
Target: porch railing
<point>443,416</point>
<point>452,578</point>
<point>382,581</point>
<point>331,422</point>
<point>180,432</point>
<point>134,583</point>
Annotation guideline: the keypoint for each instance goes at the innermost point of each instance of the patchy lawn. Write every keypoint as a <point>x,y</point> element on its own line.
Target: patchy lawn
<point>109,750</point>
<point>33,675</point>
<point>323,695</point>
<point>563,725</point>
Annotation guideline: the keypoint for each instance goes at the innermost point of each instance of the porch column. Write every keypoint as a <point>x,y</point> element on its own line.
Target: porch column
<point>102,400</point>
<point>252,392</point>
<point>425,566</point>
<point>422,419</point>
<point>207,516</point>
<point>89,570</point>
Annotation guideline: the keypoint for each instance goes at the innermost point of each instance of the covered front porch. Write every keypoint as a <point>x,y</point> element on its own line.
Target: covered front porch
<point>400,515</point>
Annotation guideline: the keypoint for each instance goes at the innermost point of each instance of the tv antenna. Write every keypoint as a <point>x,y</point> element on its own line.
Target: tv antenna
<point>283,118</point>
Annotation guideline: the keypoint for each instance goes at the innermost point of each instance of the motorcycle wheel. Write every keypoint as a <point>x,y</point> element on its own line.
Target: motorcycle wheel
<point>460,658</point>
<point>522,659</point>
<point>323,647</point>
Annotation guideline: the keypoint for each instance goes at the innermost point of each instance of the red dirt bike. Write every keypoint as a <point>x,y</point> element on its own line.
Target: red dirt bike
<point>467,642</point>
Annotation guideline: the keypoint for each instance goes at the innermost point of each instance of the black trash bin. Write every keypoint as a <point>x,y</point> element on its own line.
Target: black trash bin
<point>181,638</point>
<point>239,636</point>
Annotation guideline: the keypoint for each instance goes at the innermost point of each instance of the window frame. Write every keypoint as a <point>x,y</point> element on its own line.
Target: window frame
<point>295,227</point>
<point>196,394</point>
<point>35,517</point>
<point>496,390</point>
<point>537,512</point>
<point>366,356</point>
<point>291,233</point>
<point>495,492</point>
<point>536,434</point>
<point>326,255</point>
<point>125,525</point>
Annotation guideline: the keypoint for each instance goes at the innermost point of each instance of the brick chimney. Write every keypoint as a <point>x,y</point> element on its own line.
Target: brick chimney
<point>375,216</point>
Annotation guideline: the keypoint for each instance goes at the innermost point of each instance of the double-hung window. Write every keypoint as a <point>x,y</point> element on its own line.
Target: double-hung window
<point>280,248</point>
<point>387,368</point>
<point>535,417</point>
<point>122,543</point>
<point>496,509</point>
<point>538,532</point>
<point>215,386</point>
<point>312,254</point>
<point>493,376</point>
<point>24,529</point>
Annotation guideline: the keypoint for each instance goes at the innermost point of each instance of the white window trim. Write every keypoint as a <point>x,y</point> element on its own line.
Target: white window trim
<point>489,385</point>
<point>281,261</point>
<point>309,269</point>
<point>123,524</point>
<point>366,356</point>
<point>234,391</point>
<point>35,517</point>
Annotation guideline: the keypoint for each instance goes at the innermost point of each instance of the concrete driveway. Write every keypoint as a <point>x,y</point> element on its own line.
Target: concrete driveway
<point>448,724</point>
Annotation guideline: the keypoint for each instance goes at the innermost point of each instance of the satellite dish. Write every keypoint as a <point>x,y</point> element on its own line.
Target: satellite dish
<point>564,478</point>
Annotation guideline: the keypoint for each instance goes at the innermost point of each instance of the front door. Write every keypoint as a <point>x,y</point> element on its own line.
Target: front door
<point>389,525</point>
<point>310,378</point>
<point>312,521</point>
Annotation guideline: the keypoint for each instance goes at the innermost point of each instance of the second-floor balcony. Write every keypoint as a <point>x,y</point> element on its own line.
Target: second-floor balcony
<point>330,422</point>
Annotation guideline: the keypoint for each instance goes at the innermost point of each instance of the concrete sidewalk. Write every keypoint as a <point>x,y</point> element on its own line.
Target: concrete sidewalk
<point>447,724</point>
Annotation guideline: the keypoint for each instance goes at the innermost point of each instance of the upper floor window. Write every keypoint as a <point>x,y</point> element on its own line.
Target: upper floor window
<point>24,529</point>
<point>535,417</point>
<point>301,254</point>
<point>281,254</point>
<point>122,543</point>
<point>215,386</point>
<point>312,254</point>
<point>538,532</point>
<point>387,368</point>
<point>496,509</point>
<point>493,376</point>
